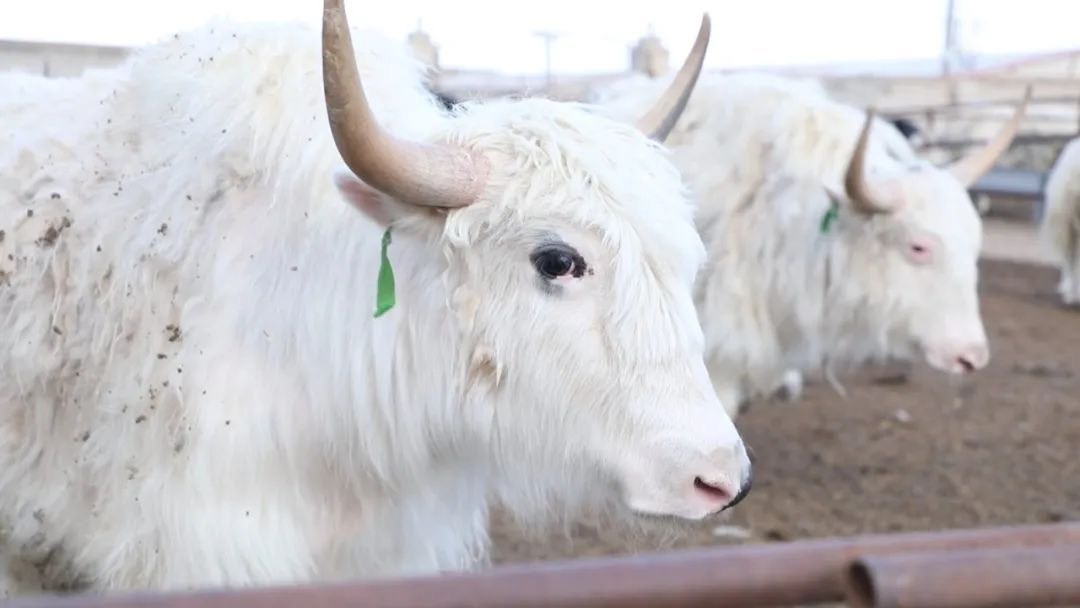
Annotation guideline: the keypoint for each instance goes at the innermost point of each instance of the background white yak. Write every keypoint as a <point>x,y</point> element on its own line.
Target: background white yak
<point>1061,220</point>
<point>798,278</point>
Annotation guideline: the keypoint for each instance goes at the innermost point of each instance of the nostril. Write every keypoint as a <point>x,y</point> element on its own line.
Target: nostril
<point>713,491</point>
<point>965,364</point>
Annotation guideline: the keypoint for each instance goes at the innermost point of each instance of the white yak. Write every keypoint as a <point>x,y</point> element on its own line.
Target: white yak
<point>194,388</point>
<point>822,254</point>
<point>1060,225</point>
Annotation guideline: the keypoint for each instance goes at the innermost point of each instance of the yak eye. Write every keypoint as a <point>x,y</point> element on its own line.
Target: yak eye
<point>555,262</point>
<point>919,252</point>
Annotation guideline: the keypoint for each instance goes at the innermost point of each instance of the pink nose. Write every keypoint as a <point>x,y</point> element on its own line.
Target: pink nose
<point>719,491</point>
<point>727,496</point>
<point>972,358</point>
<point>723,493</point>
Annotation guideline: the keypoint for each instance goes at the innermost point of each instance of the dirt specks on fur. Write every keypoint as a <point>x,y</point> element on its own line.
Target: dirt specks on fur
<point>173,332</point>
<point>52,233</point>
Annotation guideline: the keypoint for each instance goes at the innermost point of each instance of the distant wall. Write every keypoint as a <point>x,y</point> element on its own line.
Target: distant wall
<point>952,113</point>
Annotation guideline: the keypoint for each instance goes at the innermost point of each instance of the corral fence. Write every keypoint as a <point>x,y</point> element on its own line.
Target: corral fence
<point>1014,567</point>
<point>1023,173</point>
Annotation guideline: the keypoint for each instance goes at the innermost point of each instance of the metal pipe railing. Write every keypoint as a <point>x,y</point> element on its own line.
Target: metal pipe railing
<point>751,575</point>
<point>995,578</point>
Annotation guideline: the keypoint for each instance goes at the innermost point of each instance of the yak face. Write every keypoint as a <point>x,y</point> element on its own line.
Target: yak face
<point>936,243</point>
<point>917,261</point>
<point>570,255</point>
<point>570,279</point>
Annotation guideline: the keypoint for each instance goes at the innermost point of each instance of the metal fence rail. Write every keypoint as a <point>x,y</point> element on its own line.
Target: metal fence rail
<point>1005,578</point>
<point>1015,183</point>
<point>753,575</point>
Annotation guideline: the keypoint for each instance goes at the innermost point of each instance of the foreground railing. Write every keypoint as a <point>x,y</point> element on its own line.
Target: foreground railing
<point>1014,566</point>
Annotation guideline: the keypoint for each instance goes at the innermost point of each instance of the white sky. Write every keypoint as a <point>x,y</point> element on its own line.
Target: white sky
<point>596,35</point>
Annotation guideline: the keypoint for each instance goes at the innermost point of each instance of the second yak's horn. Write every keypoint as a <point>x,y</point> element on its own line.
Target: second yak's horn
<point>658,122</point>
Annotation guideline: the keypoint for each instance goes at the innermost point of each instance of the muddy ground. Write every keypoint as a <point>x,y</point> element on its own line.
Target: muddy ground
<point>1000,448</point>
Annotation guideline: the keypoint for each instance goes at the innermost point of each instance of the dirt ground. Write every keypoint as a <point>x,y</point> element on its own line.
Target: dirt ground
<point>1002,447</point>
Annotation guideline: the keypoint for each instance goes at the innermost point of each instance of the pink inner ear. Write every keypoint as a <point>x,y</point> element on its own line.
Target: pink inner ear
<point>362,196</point>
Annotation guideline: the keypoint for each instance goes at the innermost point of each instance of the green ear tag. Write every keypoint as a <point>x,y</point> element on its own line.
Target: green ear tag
<point>829,217</point>
<point>384,296</point>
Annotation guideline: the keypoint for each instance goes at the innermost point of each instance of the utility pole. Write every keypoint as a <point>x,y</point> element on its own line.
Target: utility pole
<point>951,54</point>
<point>950,37</point>
<point>549,37</point>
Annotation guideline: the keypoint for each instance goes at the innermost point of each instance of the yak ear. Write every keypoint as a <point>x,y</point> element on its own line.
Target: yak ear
<point>375,205</point>
<point>834,195</point>
<point>383,209</point>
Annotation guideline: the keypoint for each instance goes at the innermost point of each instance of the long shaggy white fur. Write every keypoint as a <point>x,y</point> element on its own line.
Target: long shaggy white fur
<point>192,389</point>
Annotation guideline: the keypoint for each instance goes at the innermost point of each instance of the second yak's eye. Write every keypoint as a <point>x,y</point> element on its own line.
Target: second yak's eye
<point>920,251</point>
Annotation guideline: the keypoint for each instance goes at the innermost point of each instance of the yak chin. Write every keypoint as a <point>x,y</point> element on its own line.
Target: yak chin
<point>585,503</point>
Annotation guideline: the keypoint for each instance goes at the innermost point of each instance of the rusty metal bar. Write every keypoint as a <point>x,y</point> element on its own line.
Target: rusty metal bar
<point>751,575</point>
<point>995,578</point>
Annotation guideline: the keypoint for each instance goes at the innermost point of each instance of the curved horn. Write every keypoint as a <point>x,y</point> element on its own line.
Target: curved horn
<point>661,119</point>
<point>973,166</point>
<point>418,174</point>
<point>862,193</point>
